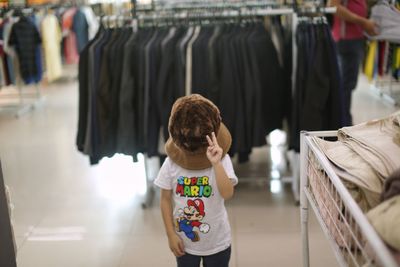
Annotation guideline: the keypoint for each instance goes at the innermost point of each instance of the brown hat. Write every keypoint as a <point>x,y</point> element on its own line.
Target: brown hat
<point>192,118</point>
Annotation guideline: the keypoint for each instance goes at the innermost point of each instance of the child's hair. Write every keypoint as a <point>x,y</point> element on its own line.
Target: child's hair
<point>192,118</point>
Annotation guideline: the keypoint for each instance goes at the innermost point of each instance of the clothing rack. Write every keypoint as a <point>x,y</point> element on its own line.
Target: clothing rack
<point>13,99</point>
<point>20,103</point>
<point>232,10</point>
<point>388,90</point>
<point>299,15</point>
<point>390,95</point>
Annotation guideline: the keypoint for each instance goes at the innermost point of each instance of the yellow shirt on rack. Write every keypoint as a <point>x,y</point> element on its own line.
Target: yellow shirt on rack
<point>51,36</point>
<point>370,60</point>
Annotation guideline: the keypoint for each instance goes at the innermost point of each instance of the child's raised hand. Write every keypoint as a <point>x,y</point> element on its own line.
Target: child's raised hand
<point>214,151</point>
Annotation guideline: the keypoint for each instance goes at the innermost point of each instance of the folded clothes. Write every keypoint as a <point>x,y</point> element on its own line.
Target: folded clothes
<point>385,218</point>
<point>377,141</point>
<point>364,184</point>
<point>392,186</point>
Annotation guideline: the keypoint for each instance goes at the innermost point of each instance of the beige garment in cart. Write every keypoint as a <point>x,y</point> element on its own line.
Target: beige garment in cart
<point>51,36</point>
<point>359,177</point>
<point>377,142</point>
<point>385,218</point>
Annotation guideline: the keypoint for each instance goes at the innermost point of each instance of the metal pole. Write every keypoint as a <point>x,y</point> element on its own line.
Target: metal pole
<point>134,2</point>
<point>303,199</point>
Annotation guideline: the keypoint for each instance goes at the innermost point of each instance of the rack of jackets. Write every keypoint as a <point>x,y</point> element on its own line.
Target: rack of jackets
<point>129,80</point>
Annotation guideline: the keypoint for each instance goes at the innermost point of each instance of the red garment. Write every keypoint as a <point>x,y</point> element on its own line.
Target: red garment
<point>70,45</point>
<point>352,30</point>
<point>195,223</point>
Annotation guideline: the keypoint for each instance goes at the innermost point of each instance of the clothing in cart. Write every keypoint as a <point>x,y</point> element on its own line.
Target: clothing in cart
<point>364,156</point>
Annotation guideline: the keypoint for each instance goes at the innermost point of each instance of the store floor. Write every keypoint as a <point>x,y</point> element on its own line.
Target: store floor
<point>69,214</point>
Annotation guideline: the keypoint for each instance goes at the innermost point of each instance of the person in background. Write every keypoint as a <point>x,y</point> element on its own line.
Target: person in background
<point>350,23</point>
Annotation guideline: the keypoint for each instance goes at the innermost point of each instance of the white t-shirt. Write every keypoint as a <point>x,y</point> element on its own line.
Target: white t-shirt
<point>199,215</point>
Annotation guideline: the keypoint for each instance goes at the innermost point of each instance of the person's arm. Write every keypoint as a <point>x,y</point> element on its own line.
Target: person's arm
<point>175,242</point>
<point>345,14</point>
<point>214,155</point>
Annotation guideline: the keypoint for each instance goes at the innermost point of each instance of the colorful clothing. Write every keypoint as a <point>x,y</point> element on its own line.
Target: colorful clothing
<point>200,216</point>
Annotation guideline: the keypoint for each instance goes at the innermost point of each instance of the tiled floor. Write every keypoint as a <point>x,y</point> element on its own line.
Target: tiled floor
<point>70,214</point>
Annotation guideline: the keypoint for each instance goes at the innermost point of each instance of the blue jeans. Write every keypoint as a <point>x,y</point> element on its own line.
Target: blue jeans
<point>350,53</point>
<point>220,259</point>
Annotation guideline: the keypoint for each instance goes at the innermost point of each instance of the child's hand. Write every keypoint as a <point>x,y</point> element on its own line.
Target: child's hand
<point>214,151</point>
<point>176,245</point>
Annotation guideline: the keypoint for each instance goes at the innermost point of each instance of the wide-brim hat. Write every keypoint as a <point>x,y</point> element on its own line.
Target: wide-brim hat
<point>193,117</point>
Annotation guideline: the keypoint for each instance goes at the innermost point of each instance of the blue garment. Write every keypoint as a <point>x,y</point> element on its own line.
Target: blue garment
<point>186,227</point>
<point>39,66</point>
<point>350,53</point>
<point>81,29</point>
<point>96,57</point>
<point>334,61</point>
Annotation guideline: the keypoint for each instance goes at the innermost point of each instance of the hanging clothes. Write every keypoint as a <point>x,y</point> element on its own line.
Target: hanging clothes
<point>80,27</point>
<point>318,95</point>
<point>387,17</point>
<point>26,39</point>
<point>51,35</point>
<point>35,19</point>
<point>70,43</point>
<point>129,81</point>
<point>91,20</point>
<point>12,58</point>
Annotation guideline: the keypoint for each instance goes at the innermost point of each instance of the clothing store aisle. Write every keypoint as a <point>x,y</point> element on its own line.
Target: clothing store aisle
<point>68,214</point>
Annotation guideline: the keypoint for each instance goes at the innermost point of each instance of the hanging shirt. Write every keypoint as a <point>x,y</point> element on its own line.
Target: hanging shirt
<point>25,37</point>
<point>199,214</point>
<point>347,30</point>
<point>189,59</point>
<point>70,44</point>
<point>12,58</point>
<point>51,34</point>
<point>91,20</point>
<point>81,29</point>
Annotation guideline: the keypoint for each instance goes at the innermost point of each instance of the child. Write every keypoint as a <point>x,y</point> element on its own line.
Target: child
<point>197,176</point>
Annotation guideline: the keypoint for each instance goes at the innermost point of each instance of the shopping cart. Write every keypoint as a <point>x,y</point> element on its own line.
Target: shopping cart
<point>351,236</point>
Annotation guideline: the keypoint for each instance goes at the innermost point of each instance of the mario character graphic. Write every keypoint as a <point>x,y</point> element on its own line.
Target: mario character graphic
<point>191,217</point>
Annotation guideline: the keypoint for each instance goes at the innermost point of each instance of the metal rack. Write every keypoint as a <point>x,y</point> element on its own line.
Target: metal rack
<point>352,238</point>
<point>17,102</point>
<point>301,12</point>
<point>388,89</point>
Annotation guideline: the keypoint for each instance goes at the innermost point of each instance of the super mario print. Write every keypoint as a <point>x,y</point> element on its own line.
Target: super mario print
<point>191,217</point>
